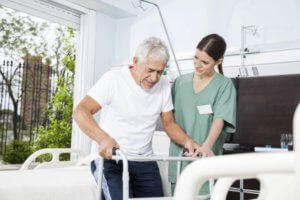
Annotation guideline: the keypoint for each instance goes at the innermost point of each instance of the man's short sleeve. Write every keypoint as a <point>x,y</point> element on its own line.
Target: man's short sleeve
<point>102,91</point>
<point>167,98</point>
<point>226,107</point>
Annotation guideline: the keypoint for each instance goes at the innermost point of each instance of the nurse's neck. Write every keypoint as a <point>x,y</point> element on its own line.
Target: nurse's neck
<point>204,77</point>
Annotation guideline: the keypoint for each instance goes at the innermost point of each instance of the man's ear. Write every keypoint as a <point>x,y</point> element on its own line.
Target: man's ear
<point>135,61</point>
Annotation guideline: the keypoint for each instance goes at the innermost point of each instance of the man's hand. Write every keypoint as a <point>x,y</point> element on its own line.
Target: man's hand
<point>192,147</point>
<point>205,151</point>
<point>106,147</point>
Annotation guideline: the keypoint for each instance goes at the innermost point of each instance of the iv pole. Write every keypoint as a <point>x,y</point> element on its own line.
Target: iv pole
<point>244,51</point>
<point>166,31</point>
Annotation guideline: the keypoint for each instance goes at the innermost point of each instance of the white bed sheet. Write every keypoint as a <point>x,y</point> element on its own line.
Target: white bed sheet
<point>72,183</point>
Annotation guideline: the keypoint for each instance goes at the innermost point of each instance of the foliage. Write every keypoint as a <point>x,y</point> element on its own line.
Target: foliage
<point>21,34</point>
<point>17,152</point>
<point>18,33</point>
<point>57,134</point>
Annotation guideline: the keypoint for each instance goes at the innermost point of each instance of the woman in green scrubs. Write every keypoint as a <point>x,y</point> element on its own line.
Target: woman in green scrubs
<point>204,103</point>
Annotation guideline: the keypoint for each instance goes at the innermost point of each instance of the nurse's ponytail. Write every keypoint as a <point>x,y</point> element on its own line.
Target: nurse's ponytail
<point>220,69</point>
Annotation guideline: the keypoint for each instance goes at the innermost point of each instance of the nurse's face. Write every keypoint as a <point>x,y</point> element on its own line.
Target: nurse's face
<point>204,64</point>
<point>149,72</point>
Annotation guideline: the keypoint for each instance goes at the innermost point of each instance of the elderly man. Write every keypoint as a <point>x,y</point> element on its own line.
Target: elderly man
<point>131,100</point>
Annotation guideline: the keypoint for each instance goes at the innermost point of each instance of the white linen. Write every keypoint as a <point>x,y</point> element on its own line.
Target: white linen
<point>71,183</point>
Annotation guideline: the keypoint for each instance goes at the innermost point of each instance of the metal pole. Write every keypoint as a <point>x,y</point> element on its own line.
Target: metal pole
<point>125,176</point>
<point>243,46</point>
<point>121,156</point>
<point>166,31</point>
<point>100,178</point>
<point>253,29</point>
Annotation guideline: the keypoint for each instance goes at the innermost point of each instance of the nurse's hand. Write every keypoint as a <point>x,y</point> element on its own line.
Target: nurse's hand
<point>205,151</point>
<point>106,147</point>
<point>191,146</point>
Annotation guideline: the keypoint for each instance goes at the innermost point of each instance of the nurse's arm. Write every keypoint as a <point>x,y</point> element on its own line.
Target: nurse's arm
<point>214,133</point>
<point>176,133</point>
<point>83,115</point>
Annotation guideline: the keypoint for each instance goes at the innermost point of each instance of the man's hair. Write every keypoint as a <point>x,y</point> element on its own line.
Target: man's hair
<point>152,47</point>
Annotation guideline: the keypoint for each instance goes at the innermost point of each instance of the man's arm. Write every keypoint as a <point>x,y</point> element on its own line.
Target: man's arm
<point>83,115</point>
<point>176,133</point>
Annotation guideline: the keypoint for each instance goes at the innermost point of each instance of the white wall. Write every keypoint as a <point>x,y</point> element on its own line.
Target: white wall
<point>188,21</point>
<point>105,44</point>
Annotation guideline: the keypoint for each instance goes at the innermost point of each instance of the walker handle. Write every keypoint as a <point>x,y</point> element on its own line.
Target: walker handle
<point>186,150</point>
<point>114,151</point>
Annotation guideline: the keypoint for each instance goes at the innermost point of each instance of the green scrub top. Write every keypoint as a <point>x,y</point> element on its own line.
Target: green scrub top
<point>216,100</point>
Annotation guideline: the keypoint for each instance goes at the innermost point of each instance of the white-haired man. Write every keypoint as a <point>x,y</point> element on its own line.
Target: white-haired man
<point>133,99</point>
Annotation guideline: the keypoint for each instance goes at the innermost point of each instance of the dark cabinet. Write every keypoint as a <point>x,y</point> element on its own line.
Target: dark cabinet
<point>265,109</point>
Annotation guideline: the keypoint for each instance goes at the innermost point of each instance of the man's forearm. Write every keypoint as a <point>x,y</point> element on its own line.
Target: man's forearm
<point>176,133</point>
<point>88,124</point>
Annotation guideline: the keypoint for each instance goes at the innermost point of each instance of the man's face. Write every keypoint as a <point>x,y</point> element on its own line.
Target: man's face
<point>149,72</point>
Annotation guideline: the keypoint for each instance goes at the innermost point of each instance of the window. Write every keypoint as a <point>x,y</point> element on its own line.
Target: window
<point>78,17</point>
<point>49,10</point>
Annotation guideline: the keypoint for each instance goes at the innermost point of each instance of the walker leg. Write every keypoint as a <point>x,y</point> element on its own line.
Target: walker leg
<point>100,177</point>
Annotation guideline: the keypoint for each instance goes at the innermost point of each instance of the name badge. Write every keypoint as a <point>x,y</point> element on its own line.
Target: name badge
<point>204,109</point>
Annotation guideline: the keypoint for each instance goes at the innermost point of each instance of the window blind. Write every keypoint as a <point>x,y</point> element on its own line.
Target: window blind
<point>47,9</point>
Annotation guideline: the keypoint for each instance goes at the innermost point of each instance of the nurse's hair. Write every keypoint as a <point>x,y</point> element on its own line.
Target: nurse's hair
<point>152,47</point>
<point>215,46</point>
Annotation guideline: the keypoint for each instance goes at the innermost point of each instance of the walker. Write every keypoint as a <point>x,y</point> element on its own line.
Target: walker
<point>119,155</point>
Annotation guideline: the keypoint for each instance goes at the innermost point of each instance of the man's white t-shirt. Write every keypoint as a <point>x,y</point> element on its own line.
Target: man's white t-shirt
<point>129,113</point>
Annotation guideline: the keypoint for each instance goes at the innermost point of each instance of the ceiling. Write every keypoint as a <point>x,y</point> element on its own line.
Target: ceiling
<point>116,8</point>
<point>113,8</point>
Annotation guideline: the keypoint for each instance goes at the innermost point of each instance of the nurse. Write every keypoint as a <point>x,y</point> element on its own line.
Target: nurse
<point>204,103</point>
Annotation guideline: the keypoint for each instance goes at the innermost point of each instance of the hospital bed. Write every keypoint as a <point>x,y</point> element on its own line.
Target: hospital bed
<point>54,180</point>
<point>55,162</point>
<point>276,172</point>
<point>71,180</point>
